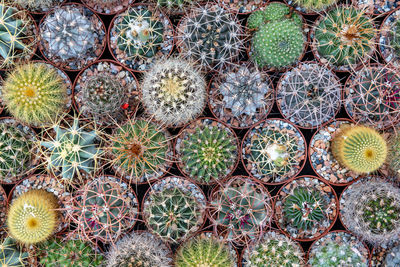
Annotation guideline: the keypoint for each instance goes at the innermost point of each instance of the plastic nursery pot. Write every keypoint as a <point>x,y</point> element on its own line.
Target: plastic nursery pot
<point>81,61</point>
<point>331,209</point>
<point>141,65</point>
<point>322,160</point>
<point>111,8</point>
<point>305,31</point>
<point>188,130</point>
<point>391,81</point>
<point>241,7</point>
<point>272,148</point>
<point>42,11</point>
<point>344,68</point>
<point>224,114</point>
<point>188,187</point>
<point>50,184</point>
<point>213,212</point>
<point>331,96</point>
<point>125,78</point>
<point>337,235</point>
<point>387,28</point>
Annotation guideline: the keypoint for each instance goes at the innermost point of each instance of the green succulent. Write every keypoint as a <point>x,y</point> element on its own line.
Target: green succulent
<point>394,38</point>
<point>381,214</point>
<point>11,254</point>
<point>314,5</point>
<point>174,6</point>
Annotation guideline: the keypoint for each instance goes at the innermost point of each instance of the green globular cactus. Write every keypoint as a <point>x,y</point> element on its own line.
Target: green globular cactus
<point>68,253</point>
<point>72,151</point>
<point>172,213</point>
<point>204,250</point>
<point>303,208</point>
<point>381,213</point>
<point>392,258</point>
<point>344,36</point>
<point>314,5</point>
<point>209,152</point>
<point>256,19</point>
<point>34,93</point>
<point>11,254</point>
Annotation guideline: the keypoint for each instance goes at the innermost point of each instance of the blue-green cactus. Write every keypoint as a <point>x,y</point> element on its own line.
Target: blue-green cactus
<point>11,255</point>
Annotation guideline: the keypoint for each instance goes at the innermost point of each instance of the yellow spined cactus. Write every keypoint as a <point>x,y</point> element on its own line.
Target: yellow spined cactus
<point>33,216</point>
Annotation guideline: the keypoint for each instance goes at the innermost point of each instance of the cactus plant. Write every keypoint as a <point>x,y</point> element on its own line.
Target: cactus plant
<point>278,40</point>
<point>33,217</point>
<point>314,6</point>
<point>309,95</point>
<point>370,208</point>
<point>360,149</point>
<point>392,258</point>
<point>174,6</point>
<point>139,249</point>
<point>344,37</point>
<point>11,254</point>
<point>34,93</point>
<point>204,250</point>
<point>372,96</point>
<point>17,37</point>
<point>70,150</point>
<point>242,208</point>
<point>39,6</point>
<point>393,156</point>
<point>173,92</point>
<point>273,248</point>
<point>68,253</point>
<point>211,36</point>
<point>389,39</point>
<point>207,151</point>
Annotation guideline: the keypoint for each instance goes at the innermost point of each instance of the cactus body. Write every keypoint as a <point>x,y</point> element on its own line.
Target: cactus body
<point>11,254</point>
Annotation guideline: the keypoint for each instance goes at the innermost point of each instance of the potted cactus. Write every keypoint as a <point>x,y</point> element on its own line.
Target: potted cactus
<point>278,36</point>
<point>140,248</point>
<point>311,7</point>
<point>140,36</point>
<point>174,208</point>
<point>72,36</point>
<point>309,95</point>
<point>107,7</point>
<point>389,39</point>
<point>343,37</point>
<point>14,254</point>
<point>372,96</point>
<point>241,95</point>
<point>338,248</point>
<point>370,208</point>
<point>207,151</point>
<point>38,6</point>
<point>211,36</point>
<point>240,210</point>
<point>274,248</point>
<point>274,151</point>
<point>174,92</point>
<point>106,92</point>
<point>306,208</point>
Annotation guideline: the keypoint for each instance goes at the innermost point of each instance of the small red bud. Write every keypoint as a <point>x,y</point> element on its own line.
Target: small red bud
<point>125,106</point>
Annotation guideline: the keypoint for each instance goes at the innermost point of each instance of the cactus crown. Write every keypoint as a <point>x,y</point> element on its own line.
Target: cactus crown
<point>304,207</point>
<point>71,151</point>
<point>392,258</point>
<point>381,213</point>
<point>333,254</point>
<point>33,216</point>
<point>70,253</point>
<point>11,254</point>
<point>34,93</point>
<point>172,213</point>
<point>360,149</point>
<point>174,92</point>
<point>204,250</point>
<point>209,152</point>
<point>344,36</point>
<point>140,249</point>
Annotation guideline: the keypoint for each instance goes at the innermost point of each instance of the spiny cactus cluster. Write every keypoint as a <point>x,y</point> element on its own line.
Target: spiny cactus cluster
<point>360,149</point>
<point>174,92</point>
<point>278,40</point>
<point>211,36</point>
<point>12,254</point>
<point>309,95</point>
<point>207,151</point>
<point>392,258</point>
<point>139,249</point>
<point>33,217</point>
<point>35,93</point>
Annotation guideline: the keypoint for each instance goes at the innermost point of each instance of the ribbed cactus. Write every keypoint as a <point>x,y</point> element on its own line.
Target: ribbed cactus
<point>68,253</point>
<point>34,93</point>
<point>140,150</point>
<point>359,148</point>
<point>12,254</point>
<point>73,152</point>
<point>207,151</point>
<point>392,258</point>
<point>344,36</point>
<point>174,92</point>
<point>204,250</point>
<point>172,213</point>
<point>211,36</point>
<point>139,249</point>
<point>33,217</point>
